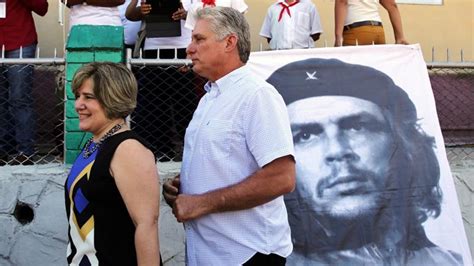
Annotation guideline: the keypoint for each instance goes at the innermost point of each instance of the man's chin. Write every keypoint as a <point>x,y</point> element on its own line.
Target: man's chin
<point>348,207</point>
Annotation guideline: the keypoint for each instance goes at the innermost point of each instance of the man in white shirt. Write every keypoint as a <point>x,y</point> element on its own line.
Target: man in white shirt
<point>291,24</point>
<point>238,154</point>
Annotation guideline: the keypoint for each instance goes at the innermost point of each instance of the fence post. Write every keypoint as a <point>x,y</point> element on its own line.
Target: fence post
<point>86,43</point>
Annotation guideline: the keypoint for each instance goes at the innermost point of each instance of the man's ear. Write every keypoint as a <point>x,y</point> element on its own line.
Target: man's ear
<point>231,42</point>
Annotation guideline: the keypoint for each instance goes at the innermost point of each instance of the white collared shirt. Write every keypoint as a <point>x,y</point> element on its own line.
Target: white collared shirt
<point>240,125</point>
<point>291,32</point>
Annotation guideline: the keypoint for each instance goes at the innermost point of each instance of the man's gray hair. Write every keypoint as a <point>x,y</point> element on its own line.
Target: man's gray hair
<point>225,21</point>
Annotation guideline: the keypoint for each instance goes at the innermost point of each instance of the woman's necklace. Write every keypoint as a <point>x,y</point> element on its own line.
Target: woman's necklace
<point>88,151</point>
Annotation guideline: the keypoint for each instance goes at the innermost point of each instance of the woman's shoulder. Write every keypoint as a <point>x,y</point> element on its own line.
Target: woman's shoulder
<point>130,144</point>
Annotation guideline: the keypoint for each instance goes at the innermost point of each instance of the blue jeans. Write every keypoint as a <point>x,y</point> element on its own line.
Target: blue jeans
<point>16,86</point>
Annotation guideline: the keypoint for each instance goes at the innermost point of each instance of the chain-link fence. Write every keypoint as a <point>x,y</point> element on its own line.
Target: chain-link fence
<point>31,111</point>
<point>168,95</point>
<point>453,89</point>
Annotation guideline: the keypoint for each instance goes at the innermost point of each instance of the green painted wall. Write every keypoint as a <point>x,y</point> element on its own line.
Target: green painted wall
<point>86,43</point>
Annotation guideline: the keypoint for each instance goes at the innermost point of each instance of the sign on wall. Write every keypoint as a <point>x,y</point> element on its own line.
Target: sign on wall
<point>373,183</point>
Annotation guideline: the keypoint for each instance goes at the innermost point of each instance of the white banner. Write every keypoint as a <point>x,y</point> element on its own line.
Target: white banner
<point>373,181</point>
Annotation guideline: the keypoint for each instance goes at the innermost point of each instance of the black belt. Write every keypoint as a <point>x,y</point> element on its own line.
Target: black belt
<point>363,23</point>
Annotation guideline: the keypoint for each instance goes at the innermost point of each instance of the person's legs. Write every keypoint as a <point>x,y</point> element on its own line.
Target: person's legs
<point>20,80</point>
<point>364,35</point>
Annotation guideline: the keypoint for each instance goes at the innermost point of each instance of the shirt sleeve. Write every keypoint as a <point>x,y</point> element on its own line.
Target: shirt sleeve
<point>315,21</point>
<point>267,127</point>
<point>266,30</point>
<point>186,4</point>
<point>191,16</point>
<point>240,5</point>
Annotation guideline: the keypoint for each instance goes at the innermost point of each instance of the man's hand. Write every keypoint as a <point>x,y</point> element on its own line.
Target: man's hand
<point>250,192</point>
<point>189,207</point>
<point>185,207</point>
<point>171,190</point>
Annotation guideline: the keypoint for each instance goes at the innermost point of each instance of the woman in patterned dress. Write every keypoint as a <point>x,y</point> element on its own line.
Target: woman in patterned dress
<point>112,191</point>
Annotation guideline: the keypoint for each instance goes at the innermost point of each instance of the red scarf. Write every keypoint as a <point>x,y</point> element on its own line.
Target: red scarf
<point>210,3</point>
<point>285,6</point>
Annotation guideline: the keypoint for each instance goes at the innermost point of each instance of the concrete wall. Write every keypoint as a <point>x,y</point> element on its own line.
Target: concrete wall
<point>450,25</point>
<point>41,241</point>
<point>33,222</point>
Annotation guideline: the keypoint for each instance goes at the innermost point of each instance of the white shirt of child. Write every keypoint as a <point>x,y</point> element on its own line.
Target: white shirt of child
<point>291,32</point>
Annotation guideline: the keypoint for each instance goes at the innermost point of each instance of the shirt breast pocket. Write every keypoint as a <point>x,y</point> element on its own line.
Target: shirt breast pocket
<point>302,21</point>
<point>216,136</point>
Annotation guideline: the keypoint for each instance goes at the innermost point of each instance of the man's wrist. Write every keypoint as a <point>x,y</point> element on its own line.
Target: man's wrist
<point>208,204</point>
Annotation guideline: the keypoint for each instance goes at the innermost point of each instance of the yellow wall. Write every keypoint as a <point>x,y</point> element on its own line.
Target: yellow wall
<point>448,26</point>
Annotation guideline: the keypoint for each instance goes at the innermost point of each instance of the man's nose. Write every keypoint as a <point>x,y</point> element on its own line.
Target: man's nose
<point>189,49</point>
<point>338,149</point>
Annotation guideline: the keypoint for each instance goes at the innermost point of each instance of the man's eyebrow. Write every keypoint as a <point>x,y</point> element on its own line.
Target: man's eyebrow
<point>370,121</point>
<point>364,115</point>
<point>197,35</point>
<point>306,126</point>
